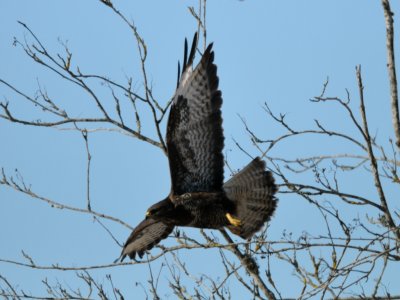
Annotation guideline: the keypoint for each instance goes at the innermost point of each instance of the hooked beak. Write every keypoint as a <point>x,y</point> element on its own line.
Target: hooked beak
<point>148,214</point>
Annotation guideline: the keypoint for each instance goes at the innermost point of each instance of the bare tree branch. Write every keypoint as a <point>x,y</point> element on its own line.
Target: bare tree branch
<point>391,66</point>
<point>374,164</point>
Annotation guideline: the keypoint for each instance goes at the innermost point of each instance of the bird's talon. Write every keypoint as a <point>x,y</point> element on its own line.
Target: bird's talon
<point>234,221</point>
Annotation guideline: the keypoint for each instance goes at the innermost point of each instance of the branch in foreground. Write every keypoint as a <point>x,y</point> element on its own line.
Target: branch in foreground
<point>250,265</point>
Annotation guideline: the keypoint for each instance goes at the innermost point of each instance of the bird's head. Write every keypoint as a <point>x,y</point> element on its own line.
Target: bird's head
<point>161,209</point>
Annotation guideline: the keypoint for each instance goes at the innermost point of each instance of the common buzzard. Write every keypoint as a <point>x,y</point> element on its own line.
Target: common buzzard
<point>195,140</point>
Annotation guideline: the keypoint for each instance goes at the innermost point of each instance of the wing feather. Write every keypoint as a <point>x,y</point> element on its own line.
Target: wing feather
<point>194,133</point>
<point>147,234</point>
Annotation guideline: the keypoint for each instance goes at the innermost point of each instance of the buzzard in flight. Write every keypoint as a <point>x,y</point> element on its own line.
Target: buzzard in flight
<point>199,197</point>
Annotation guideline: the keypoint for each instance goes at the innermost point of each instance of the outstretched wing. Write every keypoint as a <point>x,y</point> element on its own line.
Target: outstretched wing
<point>194,134</point>
<point>252,190</point>
<point>144,237</point>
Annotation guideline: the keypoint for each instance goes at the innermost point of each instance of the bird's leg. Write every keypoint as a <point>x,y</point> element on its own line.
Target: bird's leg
<point>233,221</point>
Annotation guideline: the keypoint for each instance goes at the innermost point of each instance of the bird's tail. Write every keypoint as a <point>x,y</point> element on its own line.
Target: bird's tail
<point>252,190</point>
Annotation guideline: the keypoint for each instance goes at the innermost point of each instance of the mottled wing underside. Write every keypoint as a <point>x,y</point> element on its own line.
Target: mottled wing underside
<point>194,133</point>
<point>252,189</point>
<point>147,234</point>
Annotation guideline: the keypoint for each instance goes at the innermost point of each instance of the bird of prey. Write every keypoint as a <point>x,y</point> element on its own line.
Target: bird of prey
<point>199,197</point>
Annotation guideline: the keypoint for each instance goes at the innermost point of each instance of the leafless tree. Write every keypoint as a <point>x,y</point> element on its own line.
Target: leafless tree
<point>348,250</point>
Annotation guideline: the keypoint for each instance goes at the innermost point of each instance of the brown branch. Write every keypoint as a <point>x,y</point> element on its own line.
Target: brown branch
<point>374,164</point>
<point>391,67</point>
<point>250,265</point>
<point>23,188</point>
<point>149,99</point>
<point>346,106</point>
<point>292,132</point>
<point>60,69</point>
<point>13,292</point>
<point>89,159</point>
<point>319,191</point>
<point>113,83</point>
<point>8,116</point>
<point>40,55</point>
<point>388,297</point>
<point>53,109</point>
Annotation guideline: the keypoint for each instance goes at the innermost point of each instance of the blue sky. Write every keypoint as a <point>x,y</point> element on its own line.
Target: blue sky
<point>279,52</point>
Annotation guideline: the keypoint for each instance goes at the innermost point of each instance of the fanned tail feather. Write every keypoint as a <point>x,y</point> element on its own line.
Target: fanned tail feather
<point>252,190</point>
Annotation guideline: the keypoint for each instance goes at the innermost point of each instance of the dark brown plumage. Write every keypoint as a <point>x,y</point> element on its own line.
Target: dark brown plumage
<point>195,140</point>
